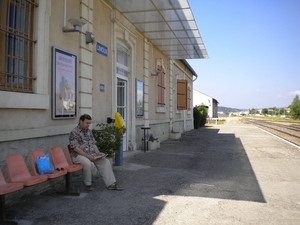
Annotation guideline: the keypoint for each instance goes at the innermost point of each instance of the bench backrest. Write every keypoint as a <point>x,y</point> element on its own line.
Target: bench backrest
<point>16,168</point>
<point>58,158</point>
<point>69,155</point>
<point>2,180</point>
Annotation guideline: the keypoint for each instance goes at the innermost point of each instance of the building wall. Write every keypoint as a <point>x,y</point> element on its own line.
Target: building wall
<point>26,120</point>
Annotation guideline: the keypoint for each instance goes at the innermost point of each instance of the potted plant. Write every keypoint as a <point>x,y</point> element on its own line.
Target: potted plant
<point>108,138</point>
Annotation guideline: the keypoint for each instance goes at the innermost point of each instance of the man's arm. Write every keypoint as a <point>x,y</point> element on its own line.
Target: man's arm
<point>80,152</point>
<point>74,139</point>
<point>98,152</point>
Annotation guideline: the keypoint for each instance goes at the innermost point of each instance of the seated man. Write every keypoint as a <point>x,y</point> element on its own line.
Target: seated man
<point>84,151</point>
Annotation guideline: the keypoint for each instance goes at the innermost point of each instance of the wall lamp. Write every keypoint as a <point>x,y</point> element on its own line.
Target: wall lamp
<point>157,73</point>
<point>77,24</point>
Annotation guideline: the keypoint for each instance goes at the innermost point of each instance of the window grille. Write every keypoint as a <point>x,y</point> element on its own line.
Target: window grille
<point>16,45</point>
<point>123,61</point>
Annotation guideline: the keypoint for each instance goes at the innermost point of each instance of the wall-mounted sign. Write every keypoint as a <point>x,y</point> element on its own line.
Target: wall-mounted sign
<point>102,87</point>
<point>139,86</point>
<point>101,49</point>
<point>64,84</point>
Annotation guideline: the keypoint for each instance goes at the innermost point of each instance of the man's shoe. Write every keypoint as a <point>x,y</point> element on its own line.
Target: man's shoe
<point>115,187</point>
<point>89,187</point>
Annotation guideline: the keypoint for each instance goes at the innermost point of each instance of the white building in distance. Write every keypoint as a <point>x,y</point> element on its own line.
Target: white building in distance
<point>200,98</point>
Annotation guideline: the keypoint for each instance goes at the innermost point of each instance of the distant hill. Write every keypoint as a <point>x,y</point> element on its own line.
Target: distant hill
<point>227,110</point>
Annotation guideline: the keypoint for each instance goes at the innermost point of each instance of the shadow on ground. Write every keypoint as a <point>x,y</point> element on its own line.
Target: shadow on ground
<point>203,163</point>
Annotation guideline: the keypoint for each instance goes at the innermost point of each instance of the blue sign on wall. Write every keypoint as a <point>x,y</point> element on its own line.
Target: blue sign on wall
<point>102,87</point>
<point>101,49</point>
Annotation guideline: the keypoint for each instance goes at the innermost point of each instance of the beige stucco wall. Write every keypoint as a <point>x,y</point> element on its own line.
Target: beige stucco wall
<point>29,120</point>
<point>102,66</point>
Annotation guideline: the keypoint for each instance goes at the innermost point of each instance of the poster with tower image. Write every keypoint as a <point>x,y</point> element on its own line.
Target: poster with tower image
<point>64,83</point>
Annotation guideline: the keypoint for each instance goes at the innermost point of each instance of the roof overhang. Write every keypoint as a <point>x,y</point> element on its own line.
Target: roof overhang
<point>168,24</point>
<point>190,68</point>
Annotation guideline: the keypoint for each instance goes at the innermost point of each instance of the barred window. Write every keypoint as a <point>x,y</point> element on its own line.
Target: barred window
<point>16,45</point>
<point>123,61</point>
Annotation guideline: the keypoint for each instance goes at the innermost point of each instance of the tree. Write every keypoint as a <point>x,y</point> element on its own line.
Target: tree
<point>264,111</point>
<point>282,111</point>
<point>252,111</point>
<point>295,108</point>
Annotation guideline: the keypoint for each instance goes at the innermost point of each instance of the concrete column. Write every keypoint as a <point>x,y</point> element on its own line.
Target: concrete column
<point>85,67</point>
<point>146,83</point>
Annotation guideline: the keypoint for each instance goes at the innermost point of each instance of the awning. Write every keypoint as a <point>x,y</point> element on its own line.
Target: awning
<point>168,24</point>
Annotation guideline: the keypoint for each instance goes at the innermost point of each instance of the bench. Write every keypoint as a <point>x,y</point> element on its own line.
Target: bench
<point>19,176</point>
<point>18,173</point>
<point>6,188</point>
<point>60,162</point>
<point>34,154</point>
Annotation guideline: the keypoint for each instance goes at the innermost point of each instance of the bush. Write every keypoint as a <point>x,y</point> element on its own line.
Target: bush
<point>108,138</point>
<point>200,115</point>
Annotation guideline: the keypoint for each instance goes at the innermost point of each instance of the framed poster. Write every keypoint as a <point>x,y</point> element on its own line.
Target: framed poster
<point>64,84</point>
<point>139,98</point>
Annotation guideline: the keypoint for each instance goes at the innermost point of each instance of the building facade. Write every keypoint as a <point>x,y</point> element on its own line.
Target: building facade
<point>63,58</point>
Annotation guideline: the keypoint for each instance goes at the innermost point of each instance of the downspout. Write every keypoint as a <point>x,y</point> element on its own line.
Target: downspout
<point>65,13</point>
<point>195,76</point>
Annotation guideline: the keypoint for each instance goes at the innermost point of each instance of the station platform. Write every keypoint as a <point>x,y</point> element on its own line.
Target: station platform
<point>220,174</point>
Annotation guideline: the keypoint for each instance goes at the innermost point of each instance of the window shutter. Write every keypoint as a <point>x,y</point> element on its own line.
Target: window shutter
<point>181,94</point>
<point>189,98</point>
<point>161,87</point>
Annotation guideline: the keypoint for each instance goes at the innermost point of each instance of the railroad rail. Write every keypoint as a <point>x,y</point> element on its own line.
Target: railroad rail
<point>289,132</point>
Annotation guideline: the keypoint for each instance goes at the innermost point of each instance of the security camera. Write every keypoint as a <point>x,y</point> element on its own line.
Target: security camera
<point>89,37</point>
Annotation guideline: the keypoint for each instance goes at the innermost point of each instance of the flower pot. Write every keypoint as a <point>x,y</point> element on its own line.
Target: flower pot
<point>119,157</point>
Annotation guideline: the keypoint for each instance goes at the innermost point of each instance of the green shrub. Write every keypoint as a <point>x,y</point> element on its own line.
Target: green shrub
<point>108,138</point>
<point>200,115</point>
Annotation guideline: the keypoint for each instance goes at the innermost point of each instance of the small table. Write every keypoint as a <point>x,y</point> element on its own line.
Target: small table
<point>146,129</point>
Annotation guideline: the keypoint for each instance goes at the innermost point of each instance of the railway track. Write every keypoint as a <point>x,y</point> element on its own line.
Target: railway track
<point>289,132</point>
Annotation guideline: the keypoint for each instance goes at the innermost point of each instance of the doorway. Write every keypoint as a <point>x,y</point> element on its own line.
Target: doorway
<point>122,106</point>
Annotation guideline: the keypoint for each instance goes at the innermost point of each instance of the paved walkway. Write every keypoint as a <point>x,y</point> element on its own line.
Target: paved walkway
<point>226,174</point>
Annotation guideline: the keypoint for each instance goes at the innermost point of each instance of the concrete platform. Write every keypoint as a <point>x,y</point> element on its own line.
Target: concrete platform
<point>222,174</point>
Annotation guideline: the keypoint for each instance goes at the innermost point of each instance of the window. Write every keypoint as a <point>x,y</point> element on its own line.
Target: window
<point>183,95</point>
<point>123,60</point>
<point>161,87</point>
<point>189,99</point>
<point>16,45</point>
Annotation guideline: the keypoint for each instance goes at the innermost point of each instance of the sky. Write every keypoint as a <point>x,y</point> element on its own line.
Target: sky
<point>254,52</point>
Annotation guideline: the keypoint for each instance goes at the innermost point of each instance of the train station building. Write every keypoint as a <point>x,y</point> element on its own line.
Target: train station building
<point>60,59</point>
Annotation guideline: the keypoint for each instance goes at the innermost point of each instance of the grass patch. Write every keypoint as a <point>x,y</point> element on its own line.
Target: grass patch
<point>218,122</point>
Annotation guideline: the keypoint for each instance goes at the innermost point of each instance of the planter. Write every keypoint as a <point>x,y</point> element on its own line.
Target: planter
<point>119,156</point>
<point>153,144</point>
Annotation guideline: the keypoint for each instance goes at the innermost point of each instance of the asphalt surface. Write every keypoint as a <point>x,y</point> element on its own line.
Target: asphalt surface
<point>222,174</point>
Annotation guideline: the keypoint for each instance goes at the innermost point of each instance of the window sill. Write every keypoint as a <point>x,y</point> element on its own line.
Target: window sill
<point>160,109</point>
<point>16,100</point>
